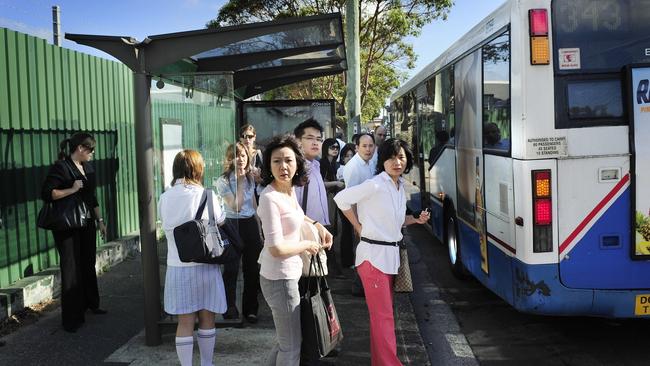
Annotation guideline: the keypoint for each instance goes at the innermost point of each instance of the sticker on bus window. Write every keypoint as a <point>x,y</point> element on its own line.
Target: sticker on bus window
<point>569,58</point>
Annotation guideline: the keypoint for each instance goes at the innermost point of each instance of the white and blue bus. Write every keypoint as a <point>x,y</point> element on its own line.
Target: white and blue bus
<point>532,143</point>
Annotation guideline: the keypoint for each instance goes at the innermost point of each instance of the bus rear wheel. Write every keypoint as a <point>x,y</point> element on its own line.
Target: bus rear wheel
<point>453,246</point>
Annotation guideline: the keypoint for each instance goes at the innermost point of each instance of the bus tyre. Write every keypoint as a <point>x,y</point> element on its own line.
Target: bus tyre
<point>453,246</point>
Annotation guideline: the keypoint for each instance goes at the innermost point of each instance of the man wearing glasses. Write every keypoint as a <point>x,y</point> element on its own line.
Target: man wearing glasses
<point>312,197</point>
<point>310,137</point>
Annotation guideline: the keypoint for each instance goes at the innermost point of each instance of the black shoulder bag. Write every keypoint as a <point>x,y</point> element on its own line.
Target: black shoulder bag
<point>205,242</point>
<point>69,212</point>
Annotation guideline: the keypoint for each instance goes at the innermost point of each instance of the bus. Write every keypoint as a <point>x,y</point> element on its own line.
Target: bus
<point>530,136</point>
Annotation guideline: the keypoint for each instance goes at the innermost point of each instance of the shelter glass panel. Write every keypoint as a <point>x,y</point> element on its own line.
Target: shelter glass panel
<point>282,116</point>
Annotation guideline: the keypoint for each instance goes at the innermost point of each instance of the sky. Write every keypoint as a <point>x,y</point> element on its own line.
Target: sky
<point>140,18</point>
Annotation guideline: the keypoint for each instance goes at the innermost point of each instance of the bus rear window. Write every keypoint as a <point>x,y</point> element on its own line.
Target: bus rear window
<point>594,99</point>
<point>602,35</point>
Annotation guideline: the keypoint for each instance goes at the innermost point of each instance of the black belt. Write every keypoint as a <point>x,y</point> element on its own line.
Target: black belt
<point>386,243</point>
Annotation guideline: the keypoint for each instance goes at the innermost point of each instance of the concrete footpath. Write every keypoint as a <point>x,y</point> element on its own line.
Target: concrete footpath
<point>118,337</point>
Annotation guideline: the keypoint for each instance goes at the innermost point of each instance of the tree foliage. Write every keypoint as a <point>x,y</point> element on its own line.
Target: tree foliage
<point>384,28</point>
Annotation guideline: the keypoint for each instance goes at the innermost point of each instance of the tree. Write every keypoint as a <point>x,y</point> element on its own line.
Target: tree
<point>384,28</point>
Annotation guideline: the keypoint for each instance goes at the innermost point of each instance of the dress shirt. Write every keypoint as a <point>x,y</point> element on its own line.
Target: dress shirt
<point>282,219</point>
<point>375,157</point>
<point>339,172</point>
<point>177,206</point>
<point>316,195</point>
<point>381,209</point>
<point>357,171</point>
<point>228,186</point>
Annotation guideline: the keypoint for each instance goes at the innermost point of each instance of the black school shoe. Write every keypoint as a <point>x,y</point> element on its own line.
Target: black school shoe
<point>231,313</point>
<point>252,318</point>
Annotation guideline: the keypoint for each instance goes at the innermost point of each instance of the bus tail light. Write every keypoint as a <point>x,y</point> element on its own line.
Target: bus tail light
<point>538,32</point>
<point>542,211</point>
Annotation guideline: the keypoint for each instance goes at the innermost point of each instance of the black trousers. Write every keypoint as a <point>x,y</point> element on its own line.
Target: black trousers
<point>347,242</point>
<point>79,290</point>
<point>249,231</point>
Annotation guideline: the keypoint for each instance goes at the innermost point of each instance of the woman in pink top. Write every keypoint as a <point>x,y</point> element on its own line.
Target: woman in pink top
<point>281,265</point>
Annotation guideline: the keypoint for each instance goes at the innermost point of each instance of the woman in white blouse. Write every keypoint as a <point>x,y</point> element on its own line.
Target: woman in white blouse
<point>281,265</point>
<point>379,217</point>
<point>191,289</point>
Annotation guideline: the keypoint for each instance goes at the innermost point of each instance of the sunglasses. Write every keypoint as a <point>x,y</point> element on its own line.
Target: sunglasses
<point>334,147</point>
<point>248,137</point>
<point>89,148</point>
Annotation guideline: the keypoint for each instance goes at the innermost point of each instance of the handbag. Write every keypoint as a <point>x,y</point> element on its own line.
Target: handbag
<point>69,212</point>
<point>321,329</point>
<point>309,232</point>
<point>403,281</point>
<point>203,241</point>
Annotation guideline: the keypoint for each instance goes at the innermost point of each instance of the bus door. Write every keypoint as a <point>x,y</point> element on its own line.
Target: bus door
<point>469,161</point>
<point>408,132</point>
<point>425,138</point>
<point>639,83</point>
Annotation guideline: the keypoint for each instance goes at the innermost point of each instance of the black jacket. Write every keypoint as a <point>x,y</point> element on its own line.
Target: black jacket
<point>60,176</point>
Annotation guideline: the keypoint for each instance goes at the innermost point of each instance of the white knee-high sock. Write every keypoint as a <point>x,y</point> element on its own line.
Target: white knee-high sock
<point>184,348</point>
<point>205,338</point>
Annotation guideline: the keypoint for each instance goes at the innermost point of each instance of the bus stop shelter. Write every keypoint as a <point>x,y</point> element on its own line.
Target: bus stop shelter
<point>259,56</point>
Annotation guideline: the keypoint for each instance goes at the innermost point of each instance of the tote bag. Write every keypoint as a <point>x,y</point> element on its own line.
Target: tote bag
<point>309,232</point>
<point>69,212</point>
<point>320,324</point>
<point>403,281</point>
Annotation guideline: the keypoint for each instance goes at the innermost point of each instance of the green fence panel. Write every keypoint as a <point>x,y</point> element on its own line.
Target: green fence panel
<point>46,94</point>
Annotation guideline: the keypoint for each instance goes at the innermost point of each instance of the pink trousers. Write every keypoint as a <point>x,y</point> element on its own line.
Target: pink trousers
<point>378,288</point>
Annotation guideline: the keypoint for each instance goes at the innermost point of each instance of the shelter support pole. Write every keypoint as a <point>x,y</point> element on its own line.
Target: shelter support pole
<point>147,213</point>
<point>353,97</point>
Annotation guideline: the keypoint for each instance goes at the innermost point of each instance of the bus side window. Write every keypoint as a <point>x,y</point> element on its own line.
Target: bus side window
<point>441,119</point>
<point>496,95</point>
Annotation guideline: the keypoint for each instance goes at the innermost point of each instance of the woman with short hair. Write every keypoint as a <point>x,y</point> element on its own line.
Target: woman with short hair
<point>191,289</point>
<point>380,215</point>
<point>281,265</point>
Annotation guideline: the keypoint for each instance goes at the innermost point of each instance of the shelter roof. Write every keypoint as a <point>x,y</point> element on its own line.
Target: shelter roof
<point>262,56</point>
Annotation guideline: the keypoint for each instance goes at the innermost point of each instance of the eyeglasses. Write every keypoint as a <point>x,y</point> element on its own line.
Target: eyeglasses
<point>333,147</point>
<point>314,140</point>
<point>248,137</point>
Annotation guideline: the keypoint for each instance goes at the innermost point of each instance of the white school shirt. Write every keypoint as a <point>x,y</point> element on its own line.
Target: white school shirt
<point>177,206</point>
<point>357,171</point>
<point>381,209</point>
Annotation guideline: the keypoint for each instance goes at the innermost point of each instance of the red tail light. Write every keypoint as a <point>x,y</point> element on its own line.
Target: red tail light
<point>538,22</point>
<point>542,211</point>
<point>538,32</point>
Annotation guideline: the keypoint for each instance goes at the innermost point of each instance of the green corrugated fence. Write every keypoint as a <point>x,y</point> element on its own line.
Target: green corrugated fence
<point>46,94</point>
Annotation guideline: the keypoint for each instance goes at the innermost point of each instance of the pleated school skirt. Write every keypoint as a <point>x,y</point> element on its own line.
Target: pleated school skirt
<point>190,289</point>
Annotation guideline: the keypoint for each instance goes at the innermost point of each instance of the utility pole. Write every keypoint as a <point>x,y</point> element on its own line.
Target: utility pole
<point>56,25</point>
<point>353,98</point>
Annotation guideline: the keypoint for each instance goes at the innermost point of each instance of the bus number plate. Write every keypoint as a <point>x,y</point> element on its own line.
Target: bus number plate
<point>642,306</point>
